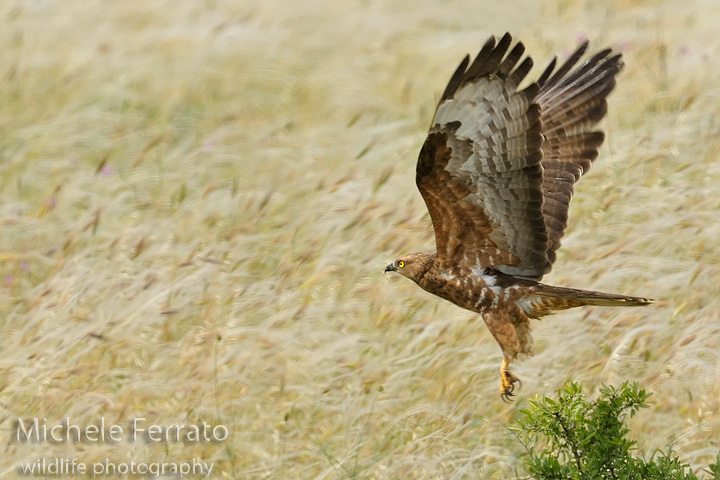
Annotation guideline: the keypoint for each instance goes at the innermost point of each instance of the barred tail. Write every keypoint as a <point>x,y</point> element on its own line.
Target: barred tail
<point>546,299</point>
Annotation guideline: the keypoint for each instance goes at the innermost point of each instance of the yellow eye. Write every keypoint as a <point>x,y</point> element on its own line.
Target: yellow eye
<point>401,264</point>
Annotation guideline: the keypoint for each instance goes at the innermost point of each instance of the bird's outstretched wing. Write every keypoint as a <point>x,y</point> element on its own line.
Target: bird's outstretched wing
<point>498,167</point>
<point>571,104</point>
<point>480,171</point>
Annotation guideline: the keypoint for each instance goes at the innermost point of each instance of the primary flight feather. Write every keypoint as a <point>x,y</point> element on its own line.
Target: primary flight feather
<point>497,173</point>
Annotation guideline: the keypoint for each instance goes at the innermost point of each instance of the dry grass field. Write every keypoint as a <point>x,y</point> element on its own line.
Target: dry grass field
<point>198,199</point>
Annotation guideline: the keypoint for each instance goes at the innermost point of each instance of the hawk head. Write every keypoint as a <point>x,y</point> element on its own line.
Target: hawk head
<point>412,265</point>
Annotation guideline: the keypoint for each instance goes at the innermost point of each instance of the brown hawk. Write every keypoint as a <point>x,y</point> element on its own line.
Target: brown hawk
<point>497,172</point>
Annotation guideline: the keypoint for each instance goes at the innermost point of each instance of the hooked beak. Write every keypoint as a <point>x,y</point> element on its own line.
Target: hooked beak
<point>390,268</point>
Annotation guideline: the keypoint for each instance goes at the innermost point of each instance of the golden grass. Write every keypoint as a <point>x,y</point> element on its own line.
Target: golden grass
<point>198,200</point>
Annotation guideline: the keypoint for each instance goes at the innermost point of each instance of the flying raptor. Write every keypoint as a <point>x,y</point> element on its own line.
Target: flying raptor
<point>497,173</point>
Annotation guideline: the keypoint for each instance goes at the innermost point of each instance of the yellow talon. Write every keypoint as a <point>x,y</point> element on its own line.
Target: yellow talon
<point>507,384</point>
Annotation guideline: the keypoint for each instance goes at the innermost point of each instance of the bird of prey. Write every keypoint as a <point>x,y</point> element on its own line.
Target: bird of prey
<point>497,173</point>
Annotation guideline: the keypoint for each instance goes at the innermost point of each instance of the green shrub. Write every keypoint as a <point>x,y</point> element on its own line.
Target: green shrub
<point>571,438</point>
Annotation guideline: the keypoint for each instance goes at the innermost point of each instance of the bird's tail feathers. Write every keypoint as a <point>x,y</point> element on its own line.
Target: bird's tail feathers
<point>547,299</point>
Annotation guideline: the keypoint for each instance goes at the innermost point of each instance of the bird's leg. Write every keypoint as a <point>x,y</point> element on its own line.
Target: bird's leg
<point>507,381</point>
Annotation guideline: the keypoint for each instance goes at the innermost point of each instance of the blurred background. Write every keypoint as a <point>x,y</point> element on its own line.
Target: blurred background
<point>198,199</point>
